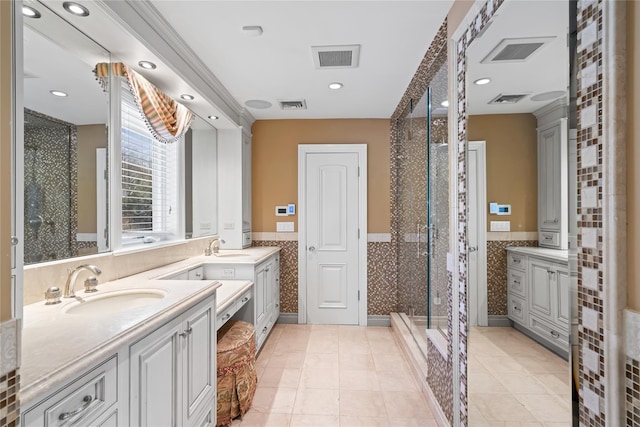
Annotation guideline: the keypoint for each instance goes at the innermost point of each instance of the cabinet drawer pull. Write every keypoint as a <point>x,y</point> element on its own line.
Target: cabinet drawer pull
<point>186,332</point>
<point>198,275</point>
<point>515,260</point>
<point>265,329</point>
<point>555,334</point>
<point>516,308</point>
<point>516,282</point>
<point>87,402</point>
<point>245,299</point>
<point>277,305</point>
<point>266,269</point>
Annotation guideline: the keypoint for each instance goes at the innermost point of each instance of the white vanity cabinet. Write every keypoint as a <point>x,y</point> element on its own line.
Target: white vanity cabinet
<point>553,177</point>
<point>538,290</point>
<point>172,372</point>
<point>265,276</point>
<point>89,400</point>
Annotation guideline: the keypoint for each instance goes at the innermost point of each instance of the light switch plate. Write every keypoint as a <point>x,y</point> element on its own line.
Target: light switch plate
<point>284,226</point>
<point>500,226</point>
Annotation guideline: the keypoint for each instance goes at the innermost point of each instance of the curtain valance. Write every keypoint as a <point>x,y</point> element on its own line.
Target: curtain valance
<point>167,119</point>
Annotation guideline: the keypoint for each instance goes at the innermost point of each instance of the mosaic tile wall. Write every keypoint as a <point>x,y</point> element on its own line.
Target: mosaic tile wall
<point>497,274</point>
<point>50,187</point>
<point>590,188</point>
<point>9,403</point>
<point>381,269</point>
<point>440,378</point>
<point>465,40</point>
<point>632,388</point>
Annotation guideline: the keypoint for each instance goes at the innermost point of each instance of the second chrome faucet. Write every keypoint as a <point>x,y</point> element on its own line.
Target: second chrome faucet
<point>73,275</point>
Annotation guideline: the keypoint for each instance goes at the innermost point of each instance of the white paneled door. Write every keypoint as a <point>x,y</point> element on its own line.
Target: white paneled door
<point>330,244</point>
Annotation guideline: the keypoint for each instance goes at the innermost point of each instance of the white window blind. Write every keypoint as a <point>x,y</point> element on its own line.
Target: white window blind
<point>149,180</point>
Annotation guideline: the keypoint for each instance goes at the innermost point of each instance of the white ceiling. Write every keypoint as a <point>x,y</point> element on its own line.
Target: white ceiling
<point>545,70</point>
<point>394,36</point>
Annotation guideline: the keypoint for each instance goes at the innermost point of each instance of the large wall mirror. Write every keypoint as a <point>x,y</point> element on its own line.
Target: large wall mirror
<point>517,83</point>
<point>65,141</point>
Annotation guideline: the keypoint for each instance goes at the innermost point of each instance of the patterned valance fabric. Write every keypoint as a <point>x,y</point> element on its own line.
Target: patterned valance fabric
<point>167,119</point>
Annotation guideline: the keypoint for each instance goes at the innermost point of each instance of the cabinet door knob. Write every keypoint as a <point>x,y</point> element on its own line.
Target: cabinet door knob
<point>312,248</point>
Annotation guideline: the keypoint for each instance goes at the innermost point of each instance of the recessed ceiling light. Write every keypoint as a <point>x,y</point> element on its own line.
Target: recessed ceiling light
<point>75,8</point>
<point>445,103</point>
<point>58,93</point>
<point>252,30</point>
<point>147,65</point>
<point>258,103</point>
<point>187,97</point>
<point>213,117</point>
<point>335,85</point>
<point>482,81</point>
<point>30,12</point>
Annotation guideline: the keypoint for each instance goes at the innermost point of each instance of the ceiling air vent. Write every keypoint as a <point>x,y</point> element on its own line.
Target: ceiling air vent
<point>515,50</point>
<point>344,56</point>
<point>508,98</point>
<point>293,105</point>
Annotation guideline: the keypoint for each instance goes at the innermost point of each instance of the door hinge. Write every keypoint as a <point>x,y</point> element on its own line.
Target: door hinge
<point>106,174</point>
<point>358,295</point>
<point>358,233</point>
<point>358,170</point>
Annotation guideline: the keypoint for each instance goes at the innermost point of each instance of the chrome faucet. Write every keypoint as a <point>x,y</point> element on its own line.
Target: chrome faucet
<point>73,275</point>
<point>214,246</point>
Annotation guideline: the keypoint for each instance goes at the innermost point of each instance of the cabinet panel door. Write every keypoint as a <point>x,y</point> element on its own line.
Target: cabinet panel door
<point>269,289</point>
<point>540,287</point>
<point>260,285</point>
<point>154,380</point>
<point>549,179</point>
<point>197,358</point>
<point>562,289</point>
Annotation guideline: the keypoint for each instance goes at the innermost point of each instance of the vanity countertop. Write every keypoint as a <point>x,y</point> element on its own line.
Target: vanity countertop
<point>557,255</point>
<point>57,345</point>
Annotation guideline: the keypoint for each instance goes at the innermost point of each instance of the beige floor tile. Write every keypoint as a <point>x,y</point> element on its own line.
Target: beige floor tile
<point>403,404</point>
<point>501,407</point>
<point>500,365</point>
<point>355,361</point>
<point>380,346</point>
<point>485,383</point>
<point>280,377</point>
<point>362,403</point>
<point>390,362</point>
<point>256,419</point>
<point>396,381</point>
<point>535,365</point>
<point>311,401</point>
<point>359,347</point>
<point>274,400</point>
<point>325,328</point>
<point>546,408</point>
<point>320,378</point>
<point>321,361</point>
<point>323,342</point>
<point>415,422</point>
<point>352,421</point>
<point>474,365</point>
<point>521,384</point>
<point>314,421</point>
<point>359,380</point>
<point>291,360</point>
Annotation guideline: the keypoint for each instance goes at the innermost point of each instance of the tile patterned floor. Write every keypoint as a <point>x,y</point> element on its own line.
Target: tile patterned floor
<point>513,381</point>
<point>317,375</point>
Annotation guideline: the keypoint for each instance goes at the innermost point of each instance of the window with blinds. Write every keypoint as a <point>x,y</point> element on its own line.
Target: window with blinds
<point>149,180</point>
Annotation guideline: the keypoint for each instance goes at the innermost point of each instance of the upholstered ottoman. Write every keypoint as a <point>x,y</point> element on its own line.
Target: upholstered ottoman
<point>237,377</point>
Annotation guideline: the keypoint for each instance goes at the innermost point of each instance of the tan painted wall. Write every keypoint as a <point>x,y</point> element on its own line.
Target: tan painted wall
<point>633,158</point>
<point>90,137</point>
<point>458,11</point>
<point>275,165</point>
<point>512,174</point>
<point>5,159</point>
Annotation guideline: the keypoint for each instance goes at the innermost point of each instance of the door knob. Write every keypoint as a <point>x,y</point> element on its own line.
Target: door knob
<point>473,248</point>
<point>312,248</point>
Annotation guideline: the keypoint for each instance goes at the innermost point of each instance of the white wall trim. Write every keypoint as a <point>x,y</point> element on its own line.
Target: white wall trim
<point>511,236</point>
<point>274,236</point>
<point>379,237</point>
<point>361,150</point>
<point>480,147</point>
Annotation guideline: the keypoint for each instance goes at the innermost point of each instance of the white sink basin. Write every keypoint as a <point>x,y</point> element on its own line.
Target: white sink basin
<point>115,301</point>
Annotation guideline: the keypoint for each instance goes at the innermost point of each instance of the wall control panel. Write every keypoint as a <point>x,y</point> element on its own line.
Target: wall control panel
<point>498,209</point>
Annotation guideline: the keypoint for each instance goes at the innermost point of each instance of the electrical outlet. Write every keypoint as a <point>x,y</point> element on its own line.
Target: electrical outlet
<point>229,225</point>
<point>205,226</point>
<point>228,272</point>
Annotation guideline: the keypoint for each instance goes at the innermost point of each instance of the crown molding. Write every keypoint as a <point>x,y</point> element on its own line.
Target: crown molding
<point>141,19</point>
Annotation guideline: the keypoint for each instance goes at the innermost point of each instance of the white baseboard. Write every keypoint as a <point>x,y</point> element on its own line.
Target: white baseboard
<point>500,320</point>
